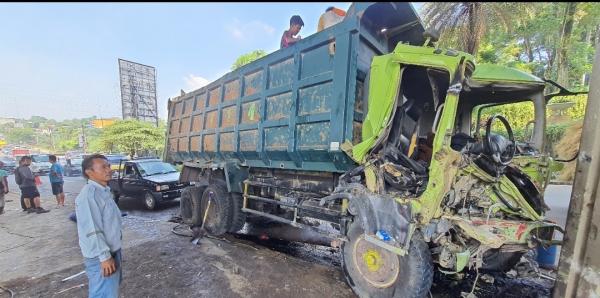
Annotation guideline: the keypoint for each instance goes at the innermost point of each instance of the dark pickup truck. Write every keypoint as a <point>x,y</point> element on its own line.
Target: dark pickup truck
<point>151,179</point>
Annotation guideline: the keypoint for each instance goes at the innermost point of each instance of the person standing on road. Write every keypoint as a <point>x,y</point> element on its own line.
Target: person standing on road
<point>99,228</point>
<point>29,193</point>
<point>3,186</point>
<point>56,180</point>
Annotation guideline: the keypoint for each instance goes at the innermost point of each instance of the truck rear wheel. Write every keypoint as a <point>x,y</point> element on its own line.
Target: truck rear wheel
<point>189,205</point>
<point>218,219</point>
<point>372,271</point>
<point>238,217</point>
<point>186,205</point>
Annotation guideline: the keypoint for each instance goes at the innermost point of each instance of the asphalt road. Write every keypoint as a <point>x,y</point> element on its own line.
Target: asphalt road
<point>557,198</point>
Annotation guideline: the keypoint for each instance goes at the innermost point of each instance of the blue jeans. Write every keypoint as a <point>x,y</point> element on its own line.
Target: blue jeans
<point>100,286</point>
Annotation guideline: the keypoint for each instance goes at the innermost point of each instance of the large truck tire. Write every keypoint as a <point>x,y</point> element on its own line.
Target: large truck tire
<point>372,271</point>
<point>238,217</point>
<point>189,205</point>
<point>186,205</point>
<point>218,220</point>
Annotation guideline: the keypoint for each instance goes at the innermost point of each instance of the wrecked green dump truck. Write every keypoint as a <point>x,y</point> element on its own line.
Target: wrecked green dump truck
<point>368,134</point>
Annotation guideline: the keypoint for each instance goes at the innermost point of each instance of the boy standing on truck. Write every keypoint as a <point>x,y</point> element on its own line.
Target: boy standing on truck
<point>56,180</point>
<point>288,38</point>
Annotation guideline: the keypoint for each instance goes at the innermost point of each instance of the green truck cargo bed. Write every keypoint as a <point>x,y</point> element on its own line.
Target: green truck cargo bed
<point>293,108</point>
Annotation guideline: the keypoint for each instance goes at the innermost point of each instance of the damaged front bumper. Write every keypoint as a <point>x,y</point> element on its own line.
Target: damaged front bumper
<point>494,233</point>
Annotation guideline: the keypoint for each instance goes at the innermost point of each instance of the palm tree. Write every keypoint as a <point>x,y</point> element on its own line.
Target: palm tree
<point>465,23</point>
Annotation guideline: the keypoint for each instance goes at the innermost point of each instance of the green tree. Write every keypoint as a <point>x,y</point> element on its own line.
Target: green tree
<point>551,40</point>
<point>464,24</point>
<point>565,40</point>
<point>18,135</point>
<point>133,137</point>
<point>247,58</point>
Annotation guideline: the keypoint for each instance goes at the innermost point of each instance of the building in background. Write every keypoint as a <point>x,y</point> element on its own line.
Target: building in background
<point>102,123</point>
<point>12,121</point>
<point>138,91</point>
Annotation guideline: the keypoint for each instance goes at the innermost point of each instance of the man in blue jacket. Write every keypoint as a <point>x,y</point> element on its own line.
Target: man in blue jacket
<point>99,229</point>
<point>56,180</point>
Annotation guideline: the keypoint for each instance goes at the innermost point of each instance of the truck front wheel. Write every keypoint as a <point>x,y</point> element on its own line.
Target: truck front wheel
<point>372,271</point>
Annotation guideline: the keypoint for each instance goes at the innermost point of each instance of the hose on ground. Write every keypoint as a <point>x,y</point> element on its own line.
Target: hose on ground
<point>175,231</point>
<point>12,294</point>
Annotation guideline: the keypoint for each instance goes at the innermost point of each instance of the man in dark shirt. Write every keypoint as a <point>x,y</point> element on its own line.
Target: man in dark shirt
<point>288,38</point>
<point>26,181</point>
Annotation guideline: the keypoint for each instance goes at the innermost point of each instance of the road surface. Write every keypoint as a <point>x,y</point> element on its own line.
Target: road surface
<point>37,251</point>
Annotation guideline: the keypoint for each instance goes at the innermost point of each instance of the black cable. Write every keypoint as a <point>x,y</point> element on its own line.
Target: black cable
<point>178,233</point>
<point>504,201</point>
<point>568,160</point>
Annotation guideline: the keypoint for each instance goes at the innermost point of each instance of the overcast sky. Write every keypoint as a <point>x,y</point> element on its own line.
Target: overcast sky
<point>59,60</point>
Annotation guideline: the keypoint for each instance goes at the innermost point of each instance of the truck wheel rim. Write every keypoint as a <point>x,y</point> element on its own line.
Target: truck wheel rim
<point>149,200</point>
<point>378,266</point>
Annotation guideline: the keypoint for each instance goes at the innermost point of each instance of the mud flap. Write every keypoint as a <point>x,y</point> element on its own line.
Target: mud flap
<point>381,213</point>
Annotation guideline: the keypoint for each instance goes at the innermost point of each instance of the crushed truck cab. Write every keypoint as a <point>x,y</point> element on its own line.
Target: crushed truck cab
<point>365,133</point>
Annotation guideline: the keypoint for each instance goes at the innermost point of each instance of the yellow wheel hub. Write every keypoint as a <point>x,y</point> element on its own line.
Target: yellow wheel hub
<point>377,266</point>
<point>372,259</point>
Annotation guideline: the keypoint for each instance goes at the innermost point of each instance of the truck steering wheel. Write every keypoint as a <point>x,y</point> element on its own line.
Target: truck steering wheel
<point>494,147</point>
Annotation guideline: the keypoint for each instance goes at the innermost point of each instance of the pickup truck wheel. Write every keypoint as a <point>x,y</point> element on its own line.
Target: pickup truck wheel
<point>372,271</point>
<point>150,201</point>
<point>218,218</point>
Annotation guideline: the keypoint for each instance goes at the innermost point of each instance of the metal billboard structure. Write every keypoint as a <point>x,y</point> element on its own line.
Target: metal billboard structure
<point>138,91</point>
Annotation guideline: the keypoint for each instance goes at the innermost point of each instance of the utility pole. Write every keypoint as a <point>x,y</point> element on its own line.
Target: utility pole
<point>84,141</point>
<point>52,138</point>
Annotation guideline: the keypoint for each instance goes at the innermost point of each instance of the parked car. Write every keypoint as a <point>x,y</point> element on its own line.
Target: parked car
<point>62,161</point>
<point>73,167</point>
<point>10,164</point>
<point>151,179</point>
<point>40,164</point>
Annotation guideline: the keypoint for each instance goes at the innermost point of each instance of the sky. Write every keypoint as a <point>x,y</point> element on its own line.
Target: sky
<point>59,60</point>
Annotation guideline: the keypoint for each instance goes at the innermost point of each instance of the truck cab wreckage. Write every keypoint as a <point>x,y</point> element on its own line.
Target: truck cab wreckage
<point>373,143</point>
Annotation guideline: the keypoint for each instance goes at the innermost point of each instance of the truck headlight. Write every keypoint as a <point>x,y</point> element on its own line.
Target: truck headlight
<point>162,187</point>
